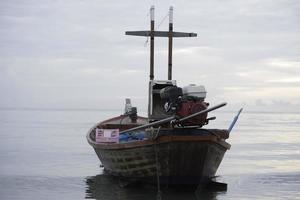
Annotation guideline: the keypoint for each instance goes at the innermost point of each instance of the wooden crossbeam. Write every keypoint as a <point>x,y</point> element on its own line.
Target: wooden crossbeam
<point>160,34</point>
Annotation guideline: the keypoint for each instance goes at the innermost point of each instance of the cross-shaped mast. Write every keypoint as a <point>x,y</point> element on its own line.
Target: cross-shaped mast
<point>152,33</point>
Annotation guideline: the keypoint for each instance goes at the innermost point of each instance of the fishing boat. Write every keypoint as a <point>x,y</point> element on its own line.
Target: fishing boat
<point>170,146</point>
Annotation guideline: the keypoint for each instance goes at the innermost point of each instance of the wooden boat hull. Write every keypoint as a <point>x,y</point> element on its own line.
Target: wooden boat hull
<point>178,159</point>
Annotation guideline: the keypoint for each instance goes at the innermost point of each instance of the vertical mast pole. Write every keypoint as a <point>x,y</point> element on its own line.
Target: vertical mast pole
<point>152,43</point>
<point>170,43</point>
<point>170,35</point>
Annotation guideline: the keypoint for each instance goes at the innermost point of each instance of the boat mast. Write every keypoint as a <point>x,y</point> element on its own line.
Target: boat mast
<point>170,43</point>
<point>152,43</point>
<point>153,33</point>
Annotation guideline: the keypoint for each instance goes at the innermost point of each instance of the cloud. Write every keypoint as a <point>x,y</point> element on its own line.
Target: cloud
<point>75,54</point>
<point>292,80</point>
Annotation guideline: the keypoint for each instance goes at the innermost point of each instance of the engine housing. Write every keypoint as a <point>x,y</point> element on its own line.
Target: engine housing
<point>185,102</point>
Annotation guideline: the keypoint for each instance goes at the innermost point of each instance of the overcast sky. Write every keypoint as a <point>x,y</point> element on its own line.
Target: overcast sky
<point>74,53</point>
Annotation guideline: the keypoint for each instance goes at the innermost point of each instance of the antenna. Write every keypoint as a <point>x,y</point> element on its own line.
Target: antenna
<point>152,33</point>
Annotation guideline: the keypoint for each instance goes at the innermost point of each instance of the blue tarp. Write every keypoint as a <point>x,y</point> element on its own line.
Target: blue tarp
<point>132,136</point>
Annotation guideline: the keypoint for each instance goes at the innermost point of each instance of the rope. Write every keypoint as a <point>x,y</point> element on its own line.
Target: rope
<point>162,21</point>
<point>156,28</point>
<point>158,197</point>
<point>146,42</point>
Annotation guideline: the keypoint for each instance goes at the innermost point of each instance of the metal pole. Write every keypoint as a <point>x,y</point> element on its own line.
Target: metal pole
<point>168,119</point>
<point>152,43</point>
<point>170,43</point>
<point>234,120</point>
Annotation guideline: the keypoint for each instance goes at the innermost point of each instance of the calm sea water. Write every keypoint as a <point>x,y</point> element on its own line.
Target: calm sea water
<point>44,155</point>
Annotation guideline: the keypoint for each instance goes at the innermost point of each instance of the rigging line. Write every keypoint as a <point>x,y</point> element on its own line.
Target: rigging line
<point>156,28</point>
<point>158,172</point>
<point>147,40</point>
<point>162,21</point>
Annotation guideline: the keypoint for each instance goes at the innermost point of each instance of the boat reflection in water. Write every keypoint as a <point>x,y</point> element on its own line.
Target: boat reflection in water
<point>107,187</point>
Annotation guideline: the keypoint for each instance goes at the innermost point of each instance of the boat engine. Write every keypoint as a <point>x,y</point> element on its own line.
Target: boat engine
<point>184,102</point>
